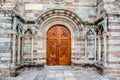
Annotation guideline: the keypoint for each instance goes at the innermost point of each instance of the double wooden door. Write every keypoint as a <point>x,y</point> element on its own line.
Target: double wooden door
<point>58,46</point>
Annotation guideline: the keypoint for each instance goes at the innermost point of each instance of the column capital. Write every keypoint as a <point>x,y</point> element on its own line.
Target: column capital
<point>105,17</point>
<point>106,34</point>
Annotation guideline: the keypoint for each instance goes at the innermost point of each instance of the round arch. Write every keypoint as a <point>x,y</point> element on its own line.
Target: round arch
<point>57,20</point>
<point>58,16</point>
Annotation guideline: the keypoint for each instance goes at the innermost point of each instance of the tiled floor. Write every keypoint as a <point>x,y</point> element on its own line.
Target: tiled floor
<point>60,73</point>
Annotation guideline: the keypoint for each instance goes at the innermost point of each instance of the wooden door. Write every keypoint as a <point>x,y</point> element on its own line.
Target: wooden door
<point>58,46</point>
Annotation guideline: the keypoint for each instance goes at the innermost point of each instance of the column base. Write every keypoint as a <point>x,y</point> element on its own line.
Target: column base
<point>105,64</point>
<point>13,65</point>
<point>19,63</point>
<point>13,69</point>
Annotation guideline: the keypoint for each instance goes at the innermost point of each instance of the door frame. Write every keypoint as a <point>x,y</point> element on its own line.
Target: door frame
<point>47,40</point>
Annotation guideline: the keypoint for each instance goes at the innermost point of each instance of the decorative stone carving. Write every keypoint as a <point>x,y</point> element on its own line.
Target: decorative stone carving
<point>99,30</point>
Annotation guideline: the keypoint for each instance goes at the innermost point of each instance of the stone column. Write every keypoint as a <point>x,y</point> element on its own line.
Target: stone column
<point>85,48</point>
<point>99,48</point>
<point>13,43</point>
<point>32,49</point>
<point>14,50</point>
<point>95,48</point>
<point>105,40</point>
<point>22,51</point>
<point>18,49</point>
<point>105,49</point>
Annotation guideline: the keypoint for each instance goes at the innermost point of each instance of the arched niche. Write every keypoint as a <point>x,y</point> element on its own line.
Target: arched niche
<point>27,45</point>
<point>91,44</point>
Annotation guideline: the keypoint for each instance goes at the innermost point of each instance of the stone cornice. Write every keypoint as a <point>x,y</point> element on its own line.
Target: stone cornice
<point>93,23</point>
<point>25,21</point>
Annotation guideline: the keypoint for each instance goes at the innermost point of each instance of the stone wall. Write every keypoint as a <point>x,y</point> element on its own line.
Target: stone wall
<point>31,10</point>
<point>113,47</point>
<point>5,42</point>
<point>17,47</point>
<point>114,44</point>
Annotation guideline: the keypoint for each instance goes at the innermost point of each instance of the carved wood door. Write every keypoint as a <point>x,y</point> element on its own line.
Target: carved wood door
<point>58,46</point>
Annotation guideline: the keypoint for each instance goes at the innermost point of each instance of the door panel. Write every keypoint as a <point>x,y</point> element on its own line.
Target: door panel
<point>52,51</point>
<point>64,32</point>
<point>63,52</point>
<point>58,46</point>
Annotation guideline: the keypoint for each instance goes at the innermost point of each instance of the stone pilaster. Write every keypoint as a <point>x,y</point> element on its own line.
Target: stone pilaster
<point>95,48</point>
<point>13,44</point>
<point>85,48</point>
<point>13,51</point>
<point>32,55</point>
<point>22,49</point>
<point>99,48</point>
<point>105,48</point>
<point>18,57</point>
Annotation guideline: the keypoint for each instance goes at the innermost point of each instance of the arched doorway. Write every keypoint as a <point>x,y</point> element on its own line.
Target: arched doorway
<point>58,46</point>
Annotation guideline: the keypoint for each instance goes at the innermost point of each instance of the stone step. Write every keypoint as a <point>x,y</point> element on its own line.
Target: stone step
<point>29,75</point>
<point>58,68</point>
<point>12,78</point>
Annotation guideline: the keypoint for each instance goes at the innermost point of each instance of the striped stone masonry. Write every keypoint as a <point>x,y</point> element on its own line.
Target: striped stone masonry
<point>94,26</point>
<point>114,46</point>
<point>5,43</point>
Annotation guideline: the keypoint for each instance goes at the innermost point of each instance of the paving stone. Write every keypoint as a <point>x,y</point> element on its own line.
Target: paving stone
<point>59,79</point>
<point>59,75</point>
<point>50,75</point>
<point>50,78</point>
<point>62,74</point>
<point>61,71</point>
<point>40,77</point>
<point>81,78</point>
<point>51,72</point>
<point>70,78</point>
<point>69,75</point>
<point>96,79</point>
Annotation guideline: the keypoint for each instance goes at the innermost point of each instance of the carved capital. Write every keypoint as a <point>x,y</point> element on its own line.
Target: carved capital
<point>106,34</point>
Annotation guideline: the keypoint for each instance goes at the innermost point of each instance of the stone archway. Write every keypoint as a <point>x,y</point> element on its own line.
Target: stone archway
<point>62,17</point>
